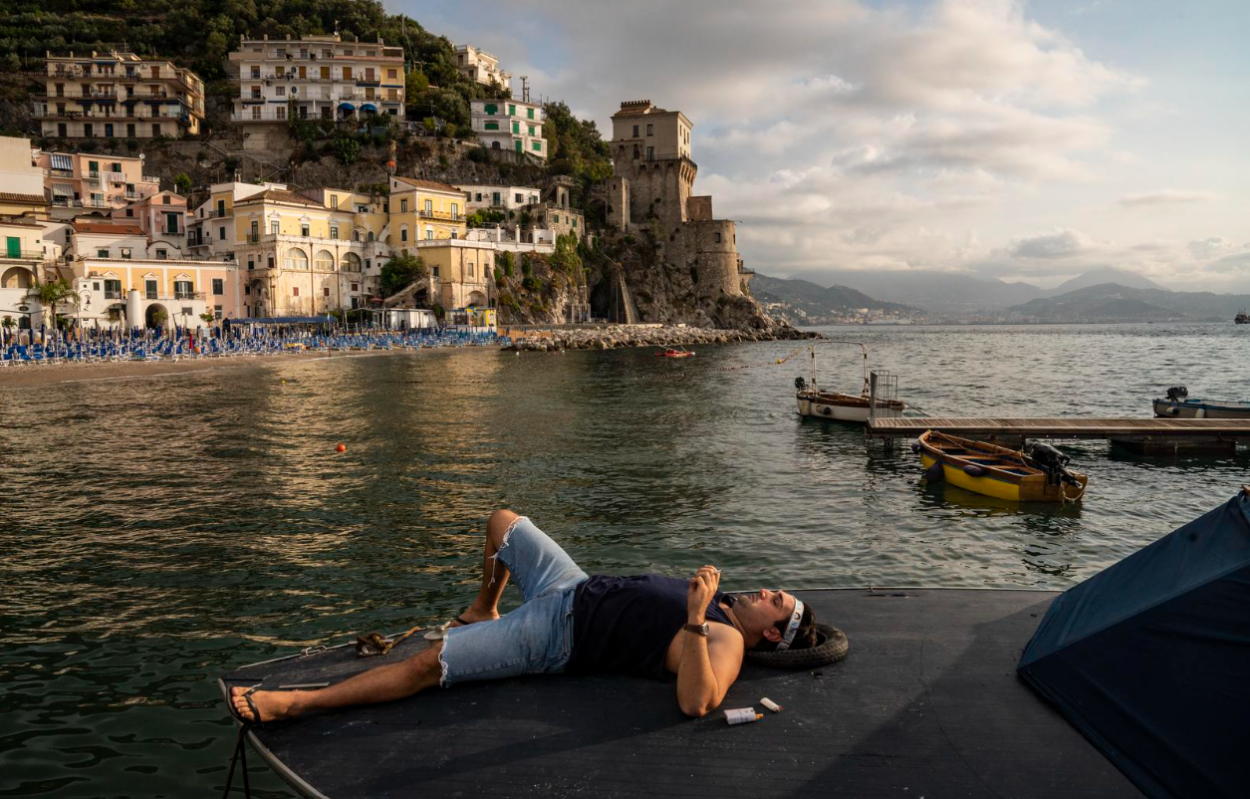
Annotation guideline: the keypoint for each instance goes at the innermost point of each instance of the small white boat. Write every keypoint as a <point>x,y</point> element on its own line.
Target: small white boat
<point>1179,405</point>
<point>841,407</point>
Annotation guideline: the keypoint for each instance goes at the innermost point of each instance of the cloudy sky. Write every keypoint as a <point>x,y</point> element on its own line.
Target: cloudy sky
<point>1027,141</point>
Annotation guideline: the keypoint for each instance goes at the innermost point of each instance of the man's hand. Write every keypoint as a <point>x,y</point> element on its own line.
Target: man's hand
<point>699,593</point>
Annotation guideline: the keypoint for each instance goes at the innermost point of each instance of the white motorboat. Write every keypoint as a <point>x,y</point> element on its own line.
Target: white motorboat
<point>834,405</point>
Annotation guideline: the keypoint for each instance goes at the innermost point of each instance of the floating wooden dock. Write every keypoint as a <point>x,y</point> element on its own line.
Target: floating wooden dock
<point>927,703</point>
<point>1145,433</point>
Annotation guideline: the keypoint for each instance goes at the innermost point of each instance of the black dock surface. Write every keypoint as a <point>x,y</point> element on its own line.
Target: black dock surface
<point>927,704</point>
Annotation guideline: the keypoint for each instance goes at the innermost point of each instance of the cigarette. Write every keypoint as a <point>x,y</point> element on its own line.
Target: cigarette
<point>771,705</point>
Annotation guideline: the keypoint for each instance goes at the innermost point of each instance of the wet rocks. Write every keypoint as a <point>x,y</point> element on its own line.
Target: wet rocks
<point>619,336</point>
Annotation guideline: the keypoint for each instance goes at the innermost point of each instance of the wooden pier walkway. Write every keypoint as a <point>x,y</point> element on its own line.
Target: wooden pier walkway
<point>1198,431</point>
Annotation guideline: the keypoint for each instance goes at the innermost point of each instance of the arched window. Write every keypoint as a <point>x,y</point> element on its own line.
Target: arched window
<point>351,262</point>
<point>296,259</point>
<point>325,261</point>
<point>370,235</point>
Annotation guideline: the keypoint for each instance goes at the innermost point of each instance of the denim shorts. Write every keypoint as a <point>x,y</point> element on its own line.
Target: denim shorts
<point>537,637</point>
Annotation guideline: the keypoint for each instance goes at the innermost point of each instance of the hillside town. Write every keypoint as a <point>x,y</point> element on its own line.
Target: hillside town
<point>93,241</point>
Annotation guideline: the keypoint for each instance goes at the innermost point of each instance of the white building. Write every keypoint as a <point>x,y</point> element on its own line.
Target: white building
<point>316,77</point>
<point>510,125</point>
<point>481,66</point>
<point>499,198</point>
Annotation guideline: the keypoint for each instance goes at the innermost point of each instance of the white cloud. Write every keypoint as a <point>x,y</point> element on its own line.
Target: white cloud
<point>1210,247</point>
<point>1057,244</point>
<point>1166,197</point>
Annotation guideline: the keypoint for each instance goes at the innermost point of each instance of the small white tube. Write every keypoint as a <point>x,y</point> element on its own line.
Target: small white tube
<point>742,715</point>
<point>771,705</point>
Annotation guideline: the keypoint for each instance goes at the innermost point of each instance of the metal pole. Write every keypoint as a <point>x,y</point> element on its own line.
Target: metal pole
<point>872,400</point>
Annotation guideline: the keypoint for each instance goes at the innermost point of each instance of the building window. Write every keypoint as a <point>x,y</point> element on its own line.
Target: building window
<point>455,210</point>
<point>183,289</point>
<point>531,112</point>
<point>490,108</point>
<point>274,227</point>
<point>217,312</point>
<point>403,232</point>
<point>650,130</point>
<point>334,201</point>
<point>355,287</point>
<point>102,253</point>
<point>282,91</point>
<point>531,127</point>
<point>325,260</point>
<point>303,231</point>
<point>434,271</point>
<point>334,231</point>
<point>511,110</point>
<point>221,235</point>
<point>491,126</point>
<point>429,234</point>
<point>149,289</point>
<point>161,255</point>
<point>219,286</point>
<point>635,131</point>
<point>294,291</point>
<point>255,73</point>
<point>112,289</point>
<point>538,146</point>
<point>221,208</point>
<point>325,292</point>
<point>403,206</point>
<point>718,237</point>
<point>429,206</point>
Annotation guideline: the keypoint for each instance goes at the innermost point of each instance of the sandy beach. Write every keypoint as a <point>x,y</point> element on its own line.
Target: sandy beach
<point>37,376</point>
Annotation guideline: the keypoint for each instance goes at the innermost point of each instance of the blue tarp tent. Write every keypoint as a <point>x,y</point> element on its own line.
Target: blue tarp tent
<point>1150,659</point>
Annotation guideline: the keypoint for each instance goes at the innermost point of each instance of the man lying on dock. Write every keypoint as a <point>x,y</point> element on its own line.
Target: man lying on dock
<point>576,624</point>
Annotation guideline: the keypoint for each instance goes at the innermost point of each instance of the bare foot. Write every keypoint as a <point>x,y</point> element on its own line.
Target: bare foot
<point>473,616</point>
<point>273,705</point>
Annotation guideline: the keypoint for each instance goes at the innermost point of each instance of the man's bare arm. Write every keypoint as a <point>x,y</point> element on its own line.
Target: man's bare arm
<point>709,664</point>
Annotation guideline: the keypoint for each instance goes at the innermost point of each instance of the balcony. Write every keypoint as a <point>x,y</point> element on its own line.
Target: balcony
<point>440,216</point>
<point>21,255</point>
<point>112,294</point>
<point>187,295</point>
<point>151,179</point>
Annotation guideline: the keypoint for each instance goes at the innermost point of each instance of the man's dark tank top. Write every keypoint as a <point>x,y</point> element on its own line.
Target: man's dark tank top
<point>623,625</point>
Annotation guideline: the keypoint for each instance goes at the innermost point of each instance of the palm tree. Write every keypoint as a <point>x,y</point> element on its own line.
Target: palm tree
<point>49,295</point>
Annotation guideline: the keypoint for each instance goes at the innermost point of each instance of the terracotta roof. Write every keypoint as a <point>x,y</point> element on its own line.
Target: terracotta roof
<point>434,185</point>
<point>30,199</point>
<point>279,196</point>
<point>107,227</point>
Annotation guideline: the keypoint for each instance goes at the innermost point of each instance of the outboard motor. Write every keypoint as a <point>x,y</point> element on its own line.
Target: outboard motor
<point>1050,460</point>
<point>1177,393</point>
<point>800,383</point>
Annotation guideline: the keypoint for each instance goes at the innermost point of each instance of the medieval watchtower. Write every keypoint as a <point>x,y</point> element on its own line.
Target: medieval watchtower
<point>653,180</point>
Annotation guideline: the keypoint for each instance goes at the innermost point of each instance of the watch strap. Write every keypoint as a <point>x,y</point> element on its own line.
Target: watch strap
<point>697,629</point>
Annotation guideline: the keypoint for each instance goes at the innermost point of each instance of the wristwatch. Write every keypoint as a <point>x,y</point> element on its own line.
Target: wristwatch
<point>697,629</point>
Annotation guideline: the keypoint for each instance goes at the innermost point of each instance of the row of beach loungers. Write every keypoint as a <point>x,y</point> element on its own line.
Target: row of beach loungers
<point>173,349</point>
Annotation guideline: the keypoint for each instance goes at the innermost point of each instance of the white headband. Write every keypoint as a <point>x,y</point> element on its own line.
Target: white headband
<point>793,628</point>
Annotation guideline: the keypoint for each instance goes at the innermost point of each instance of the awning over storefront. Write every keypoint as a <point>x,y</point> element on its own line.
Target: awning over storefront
<point>62,162</point>
<point>346,107</point>
<point>370,107</point>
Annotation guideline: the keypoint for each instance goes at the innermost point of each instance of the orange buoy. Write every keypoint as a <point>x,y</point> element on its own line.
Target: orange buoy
<point>341,448</point>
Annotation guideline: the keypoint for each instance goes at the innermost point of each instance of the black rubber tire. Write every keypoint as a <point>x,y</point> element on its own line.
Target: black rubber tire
<point>831,646</point>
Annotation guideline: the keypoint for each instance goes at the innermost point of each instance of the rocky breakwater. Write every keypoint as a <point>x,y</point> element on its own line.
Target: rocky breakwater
<point>614,336</point>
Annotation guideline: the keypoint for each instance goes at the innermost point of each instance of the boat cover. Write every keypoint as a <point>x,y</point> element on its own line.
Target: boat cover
<point>1149,659</point>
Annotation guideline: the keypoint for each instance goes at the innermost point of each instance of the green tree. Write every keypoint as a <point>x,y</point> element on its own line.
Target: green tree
<point>346,149</point>
<point>50,295</point>
<point>506,261</point>
<point>400,272</point>
<point>565,257</point>
<point>182,182</point>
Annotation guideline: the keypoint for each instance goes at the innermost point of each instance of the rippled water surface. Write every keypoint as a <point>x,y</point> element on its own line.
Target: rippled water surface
<point>157,532</point>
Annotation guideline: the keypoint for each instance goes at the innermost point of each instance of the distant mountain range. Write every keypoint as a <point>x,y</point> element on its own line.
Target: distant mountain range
<point>815,300</point>
<point>936,292</point>
<point>1100,277</point>
<point>1112,302</point>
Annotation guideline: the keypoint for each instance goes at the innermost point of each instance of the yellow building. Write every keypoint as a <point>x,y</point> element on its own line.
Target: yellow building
<point>424,210</point>
<point>299,257</point>
<point>24,255</point>
<point>460,271</point>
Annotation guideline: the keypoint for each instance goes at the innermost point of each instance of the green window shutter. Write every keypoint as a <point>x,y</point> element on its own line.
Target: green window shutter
<point>516,127</point>
<point>15,246</point>
<point>511,110</point>
<point>574,221</point>
<point>538,146</point>
<point>518,146</point>
<point>531,130</point>
<point>531,112</point>
<point>491,108</point>
<point>492,126</point>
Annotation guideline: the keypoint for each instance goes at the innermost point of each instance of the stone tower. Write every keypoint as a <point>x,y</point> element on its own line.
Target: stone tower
<point>654,180</point>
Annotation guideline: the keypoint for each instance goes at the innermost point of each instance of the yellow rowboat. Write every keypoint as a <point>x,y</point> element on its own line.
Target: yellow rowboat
<point>1041,476</point>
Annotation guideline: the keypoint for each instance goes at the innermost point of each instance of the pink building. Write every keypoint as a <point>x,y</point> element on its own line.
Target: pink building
<point>82,182</point>
<point>162,217</point>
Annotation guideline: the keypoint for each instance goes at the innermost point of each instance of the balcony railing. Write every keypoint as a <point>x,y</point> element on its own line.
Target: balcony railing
<point>112,294</point>
<point>440,215</point>
<point>188,295</point>
<point>21,255</point>
<point>151,179</point>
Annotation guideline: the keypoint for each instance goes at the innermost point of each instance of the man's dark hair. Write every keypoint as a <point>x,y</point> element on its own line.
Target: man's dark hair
<point>804,637</point>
